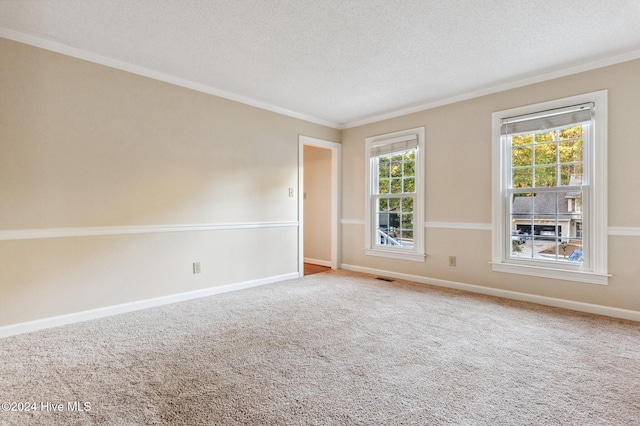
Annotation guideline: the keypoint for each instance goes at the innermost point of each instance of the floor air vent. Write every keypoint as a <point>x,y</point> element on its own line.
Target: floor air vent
<point>389,280</point>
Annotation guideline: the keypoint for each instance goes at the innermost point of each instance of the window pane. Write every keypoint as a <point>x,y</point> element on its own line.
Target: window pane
<point>521,220</point>
<point>545,176</point>
<point>521,156</point>
<point>406,222</point>
<point>410,163</point>
<point>405,232</point>
<point>545,137</point>
<point>407,205</point>
<point>545,154</point>
<point>571,151</point>
<point>388,221</point>
<point>410,185</point>
<point>396,167</point>
<point>384,186</point>
<point>384,167</point>
<point>522,178</point>
<point>544,249</point>
<point>521,140</point>
<point>396,185</point>
<point>570,174</point>
<point>405,238</point>
<point>574,132</point>
<point>522,204</point>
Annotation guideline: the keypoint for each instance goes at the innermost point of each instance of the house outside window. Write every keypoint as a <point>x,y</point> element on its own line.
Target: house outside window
<point>549,189</point>
<point>394,210</point>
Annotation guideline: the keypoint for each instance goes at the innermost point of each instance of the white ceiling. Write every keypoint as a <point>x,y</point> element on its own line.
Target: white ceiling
<point>335,62</point>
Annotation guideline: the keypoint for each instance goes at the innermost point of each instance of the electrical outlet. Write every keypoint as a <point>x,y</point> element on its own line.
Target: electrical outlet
<point>196,267</point>
<point>452,261</point>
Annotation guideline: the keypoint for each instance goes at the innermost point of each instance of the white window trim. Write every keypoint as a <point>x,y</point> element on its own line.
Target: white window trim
<point>371,249</point>
<point>597,199</point>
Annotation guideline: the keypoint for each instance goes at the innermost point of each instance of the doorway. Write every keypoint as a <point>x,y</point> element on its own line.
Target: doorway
<point>318,202</point>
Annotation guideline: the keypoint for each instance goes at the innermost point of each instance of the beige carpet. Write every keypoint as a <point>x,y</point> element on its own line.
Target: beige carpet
<point>334,348</point>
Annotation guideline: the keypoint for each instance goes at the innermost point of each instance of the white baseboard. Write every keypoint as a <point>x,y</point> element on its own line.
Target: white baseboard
<point>326,263</point>
<point>57,321</point>
<point>507,294</point>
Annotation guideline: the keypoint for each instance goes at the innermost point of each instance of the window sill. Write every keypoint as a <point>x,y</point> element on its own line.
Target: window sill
<point>395,254</point>
<point>558,274</point>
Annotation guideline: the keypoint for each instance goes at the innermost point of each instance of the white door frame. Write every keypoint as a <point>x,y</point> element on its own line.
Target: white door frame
<point>336,161</point>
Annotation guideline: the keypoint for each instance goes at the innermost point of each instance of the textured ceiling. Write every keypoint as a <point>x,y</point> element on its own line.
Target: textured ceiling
<point>336,62</point>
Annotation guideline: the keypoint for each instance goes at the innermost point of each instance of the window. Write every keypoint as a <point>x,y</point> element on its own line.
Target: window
<point>394,209</point>
<point>549,189</point>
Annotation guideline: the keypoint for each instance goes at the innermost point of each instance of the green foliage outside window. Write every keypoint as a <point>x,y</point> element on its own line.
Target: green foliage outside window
<point>539,160</point>
<point>396,173</point>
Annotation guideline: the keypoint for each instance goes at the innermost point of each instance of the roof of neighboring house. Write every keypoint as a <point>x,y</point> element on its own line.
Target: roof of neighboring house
<point>544,203</point>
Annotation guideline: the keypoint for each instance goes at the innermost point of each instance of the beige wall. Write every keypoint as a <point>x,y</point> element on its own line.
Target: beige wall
<point>85,146</point>
<point>458,188</point>
<point>317,205</point>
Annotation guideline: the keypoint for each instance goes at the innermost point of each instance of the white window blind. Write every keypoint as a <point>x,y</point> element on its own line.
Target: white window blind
<point>547,120</point>
<point>400,144</point>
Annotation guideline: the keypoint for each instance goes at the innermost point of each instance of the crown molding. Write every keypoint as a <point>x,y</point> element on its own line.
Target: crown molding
<point>588,66</point>
<point>61,48</point>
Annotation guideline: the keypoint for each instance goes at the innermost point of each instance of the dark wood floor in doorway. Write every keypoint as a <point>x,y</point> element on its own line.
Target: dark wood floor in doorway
<point>310,268</point>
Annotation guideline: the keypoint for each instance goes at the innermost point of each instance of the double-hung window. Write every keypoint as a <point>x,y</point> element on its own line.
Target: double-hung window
<point>549,187</point>
<point>394,209</point>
